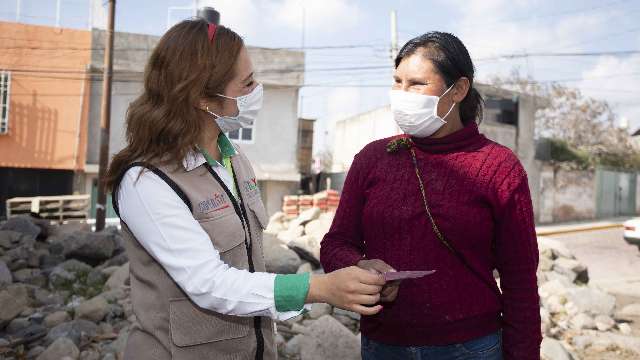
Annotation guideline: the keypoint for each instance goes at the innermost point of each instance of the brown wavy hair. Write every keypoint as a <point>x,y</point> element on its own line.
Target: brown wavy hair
<point>164,124</point>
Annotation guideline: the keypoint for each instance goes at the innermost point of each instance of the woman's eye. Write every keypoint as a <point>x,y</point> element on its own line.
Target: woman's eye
<point>250,84</point>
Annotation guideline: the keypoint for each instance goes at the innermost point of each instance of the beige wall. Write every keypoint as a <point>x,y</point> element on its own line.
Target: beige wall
<point>49,96</point>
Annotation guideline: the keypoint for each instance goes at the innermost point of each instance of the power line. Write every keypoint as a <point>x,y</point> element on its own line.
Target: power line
<point>561,54</point>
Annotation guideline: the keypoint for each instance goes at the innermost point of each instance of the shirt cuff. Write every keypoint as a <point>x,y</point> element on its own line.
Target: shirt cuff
<point>290,291</point>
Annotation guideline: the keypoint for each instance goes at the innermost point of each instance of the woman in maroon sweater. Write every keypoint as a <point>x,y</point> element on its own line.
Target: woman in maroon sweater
<point>445,198</point>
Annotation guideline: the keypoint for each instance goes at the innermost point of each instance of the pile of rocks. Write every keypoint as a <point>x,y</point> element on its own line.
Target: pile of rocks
<point>579,319</point>
<point>63,291</point>
<point>294,245</point>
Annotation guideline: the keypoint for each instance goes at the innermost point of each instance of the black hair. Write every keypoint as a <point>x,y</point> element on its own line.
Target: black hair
<point>452,61</point>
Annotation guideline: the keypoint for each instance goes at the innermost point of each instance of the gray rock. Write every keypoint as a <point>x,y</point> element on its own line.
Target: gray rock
<point>604,323</point>
<point>96,278</point>
<point>319,310</point>
<point>49,261</point>
<point>309,244</point>
<point>305,217</point>
<point>109,356</point>
<point>4,343</point>
<point>23,225</point>
<point>17,324</point>
<point>318,228</point>
<point>582,342</point>
<point>5,274</point>
<point>117,260</point>
<point>582,321</point>
<point>43,297</point>
<point>13,300</point>
<point>66,274</point>
<point>545,264</point>
<point>278,257</point>
<point>304,268</point>
<point>30,276</point>
<point>10,239</point>
<point>625,329</point>
<point>79,331</point>
<point>350,314</point>
<point>119,279</point>
<point>20,257</point>
<point>90,247</point>
<point>592,300</point>
<point>326,338</point>
<point>94,309</point>
<point>35,352</point>
<point>56,318</point>
<point>552,349</point>
<point>292,348</point>
<point>557,247</point>
<point>572,268</point>
<point>114,295</point>
<point>60,348</point>
<point>632,310</point>
<point>31,333</point>
<point>90,355</point>
<point>118,345</point>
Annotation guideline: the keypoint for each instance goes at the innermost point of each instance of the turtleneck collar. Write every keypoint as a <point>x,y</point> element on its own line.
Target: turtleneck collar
<point>462,139</point>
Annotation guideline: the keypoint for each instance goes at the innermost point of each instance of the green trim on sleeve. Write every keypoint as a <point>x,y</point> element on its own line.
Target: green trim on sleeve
<point>290,291</point>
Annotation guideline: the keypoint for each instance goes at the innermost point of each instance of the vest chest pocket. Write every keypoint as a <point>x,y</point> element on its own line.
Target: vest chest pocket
<point>227,236</point>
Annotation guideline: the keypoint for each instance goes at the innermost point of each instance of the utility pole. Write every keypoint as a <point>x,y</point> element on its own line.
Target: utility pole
<point>394,35</point>
<point>18,10</point>
<point>105,121</point>
<point>58,13</point>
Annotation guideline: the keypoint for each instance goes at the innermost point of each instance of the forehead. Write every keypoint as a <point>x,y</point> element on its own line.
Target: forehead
<point>416,65</point>
<point>243,66</point>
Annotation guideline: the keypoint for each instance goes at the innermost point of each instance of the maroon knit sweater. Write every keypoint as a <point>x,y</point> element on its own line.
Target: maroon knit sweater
<point>479,197</point>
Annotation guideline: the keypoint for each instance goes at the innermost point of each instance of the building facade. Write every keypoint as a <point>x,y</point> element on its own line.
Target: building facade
<point>51,93</point>
<point>44,100</point>
<point>509,119</point>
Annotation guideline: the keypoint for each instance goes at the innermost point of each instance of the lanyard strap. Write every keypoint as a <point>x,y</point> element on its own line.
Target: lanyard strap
<point>226,163</point>
<point>441,237</point>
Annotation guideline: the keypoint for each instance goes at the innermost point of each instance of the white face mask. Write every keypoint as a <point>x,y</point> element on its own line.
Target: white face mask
<point>417,114</point>
<point>248,107</point>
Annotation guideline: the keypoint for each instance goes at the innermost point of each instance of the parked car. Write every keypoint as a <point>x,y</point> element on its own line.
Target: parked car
<point>632,231</point>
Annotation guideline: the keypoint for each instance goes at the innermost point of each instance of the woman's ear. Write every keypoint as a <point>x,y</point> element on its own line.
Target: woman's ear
<point>460,89</point>
<point>203,104</point>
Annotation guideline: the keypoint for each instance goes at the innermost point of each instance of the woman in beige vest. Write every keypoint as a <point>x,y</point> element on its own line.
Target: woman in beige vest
<point>192,213</point>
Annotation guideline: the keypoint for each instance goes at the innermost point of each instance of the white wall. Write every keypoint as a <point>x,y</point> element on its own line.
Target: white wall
<point>273,152</point>
<point>352,134</point>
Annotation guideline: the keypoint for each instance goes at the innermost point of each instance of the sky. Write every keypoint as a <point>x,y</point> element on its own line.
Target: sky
<point>347,42</point>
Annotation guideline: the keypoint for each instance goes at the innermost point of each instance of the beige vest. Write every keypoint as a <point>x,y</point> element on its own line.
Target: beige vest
<point>169,325</point>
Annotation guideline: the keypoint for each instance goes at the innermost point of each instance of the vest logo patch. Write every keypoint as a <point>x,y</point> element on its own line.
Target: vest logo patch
<point>251,187</point>
<point>217,203</point>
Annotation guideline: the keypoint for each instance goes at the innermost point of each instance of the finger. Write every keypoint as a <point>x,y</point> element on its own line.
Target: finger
<point>369,278</point>
<point>366,310</point>
<point>366,299</point>
<point>381,266</point>
<point>367,289</point>
<point>386,291</point>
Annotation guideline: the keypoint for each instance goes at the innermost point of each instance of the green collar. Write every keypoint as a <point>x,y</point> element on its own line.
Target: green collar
<point>226,147</point>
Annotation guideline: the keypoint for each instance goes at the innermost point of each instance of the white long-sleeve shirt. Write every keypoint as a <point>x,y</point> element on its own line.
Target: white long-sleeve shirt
<point>166,228</point>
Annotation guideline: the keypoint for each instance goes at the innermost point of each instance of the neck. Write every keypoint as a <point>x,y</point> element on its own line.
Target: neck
<point>209,138</point>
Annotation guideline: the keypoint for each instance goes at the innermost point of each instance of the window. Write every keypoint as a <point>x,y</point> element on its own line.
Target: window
<point>5,82</point>
<point>242,135</point>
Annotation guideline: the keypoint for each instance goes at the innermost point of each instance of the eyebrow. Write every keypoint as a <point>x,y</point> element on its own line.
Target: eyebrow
<point>248,77</point>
